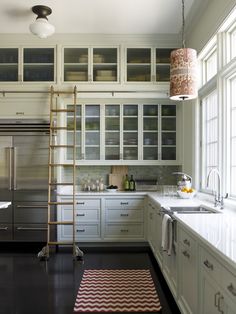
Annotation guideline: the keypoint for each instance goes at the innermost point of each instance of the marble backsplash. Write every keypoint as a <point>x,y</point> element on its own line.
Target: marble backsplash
<point>161,174</point>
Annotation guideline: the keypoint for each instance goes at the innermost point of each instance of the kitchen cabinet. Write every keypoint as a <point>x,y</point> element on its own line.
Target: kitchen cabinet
<point>91,64</point>
<point>26,64</point>
<point>217,285</point>
<point>162,64</point>
<point>124,219</point>
<point>188,272</point>
<point>124,133</point>
<point>87,220</point>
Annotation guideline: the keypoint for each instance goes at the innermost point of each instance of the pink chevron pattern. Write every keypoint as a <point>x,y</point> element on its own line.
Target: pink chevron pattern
<point>117,290</point>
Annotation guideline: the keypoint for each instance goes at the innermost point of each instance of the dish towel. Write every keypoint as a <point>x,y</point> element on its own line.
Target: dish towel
<point>167,234</point>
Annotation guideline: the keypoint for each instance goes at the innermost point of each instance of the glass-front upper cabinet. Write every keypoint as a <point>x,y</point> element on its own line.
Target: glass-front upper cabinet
<point>38,64</point>
<point>112,132</point>
<point>168,132</point>
<point>163,64</point>
<point>130,132</point>
<point>90,64</point>
<point>92,132</point>
<point>150,132</point>
<point>138,64</point>
<point>9,64</point>
<point>70,133</point>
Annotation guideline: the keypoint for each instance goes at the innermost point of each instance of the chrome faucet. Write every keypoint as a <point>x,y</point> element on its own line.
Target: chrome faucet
<point>219,199</point>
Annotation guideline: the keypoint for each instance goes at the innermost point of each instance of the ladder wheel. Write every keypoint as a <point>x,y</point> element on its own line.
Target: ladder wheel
<point>43,255</point>
<point>78,253</point>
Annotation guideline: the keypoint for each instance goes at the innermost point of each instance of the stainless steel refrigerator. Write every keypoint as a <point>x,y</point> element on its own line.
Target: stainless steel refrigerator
<point>24,179</point>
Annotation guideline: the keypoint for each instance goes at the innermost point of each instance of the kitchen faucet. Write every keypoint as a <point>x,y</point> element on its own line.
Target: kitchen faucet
<point>219,199</point>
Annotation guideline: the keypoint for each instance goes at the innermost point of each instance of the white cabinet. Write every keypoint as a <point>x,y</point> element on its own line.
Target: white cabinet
<point>188,272</point>
<point>122,133</point>
<point>87,220</point>
<point>217,286</point>
<point>124,219</point>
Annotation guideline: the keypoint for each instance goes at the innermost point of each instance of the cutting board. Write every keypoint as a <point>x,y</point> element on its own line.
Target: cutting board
<point>119,170</point>
<point>117,179</point>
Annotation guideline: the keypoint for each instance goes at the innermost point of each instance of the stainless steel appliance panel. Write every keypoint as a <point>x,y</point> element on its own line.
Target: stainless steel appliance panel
<point>30,159</point>
<point>30,232</point>
<point>6,171</point>
<point>6,232</point>
<point>6,214</point>
<point>30,212</point>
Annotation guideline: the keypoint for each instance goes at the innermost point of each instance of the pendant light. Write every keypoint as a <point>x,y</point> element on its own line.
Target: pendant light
<point>183,70</point>
<point>41,27</point>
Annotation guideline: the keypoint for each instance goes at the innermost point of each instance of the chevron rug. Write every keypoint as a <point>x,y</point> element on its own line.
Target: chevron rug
<point>117,290</point>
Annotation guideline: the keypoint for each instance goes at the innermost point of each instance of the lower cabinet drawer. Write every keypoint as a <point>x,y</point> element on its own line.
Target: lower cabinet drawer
<point>128,215</point>
<point>87,215</point>
<point>124,230</point>
<point>211,265</point>
<point>6,214</point>
<point>119,203</point>
<point>30,232</point>
<point>30,213</point>
<point>6,232</point>
<point>81,231</point>
<point>229,283</point>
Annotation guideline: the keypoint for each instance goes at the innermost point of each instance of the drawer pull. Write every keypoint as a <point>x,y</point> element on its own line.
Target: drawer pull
<point>187,242</point>
<point>30,229</point>
<point>80,203</point>
<point>80,215</point>
<point>124,230</point>
<point>4,228</point>
<point>32,206</point>
<point>124,203</point>
<point>80,230</point>
<point>208,264</point>
<point>186,254</point>
<point>219,304</point>
<point>217,299</point>
<point>124,215</point>
<point>232,289</point>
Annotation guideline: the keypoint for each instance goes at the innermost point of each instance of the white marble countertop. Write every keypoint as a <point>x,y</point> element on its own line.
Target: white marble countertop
<point>4,204</point>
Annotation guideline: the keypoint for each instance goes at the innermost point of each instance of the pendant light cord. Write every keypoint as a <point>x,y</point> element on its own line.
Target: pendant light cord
<point>183,25</point>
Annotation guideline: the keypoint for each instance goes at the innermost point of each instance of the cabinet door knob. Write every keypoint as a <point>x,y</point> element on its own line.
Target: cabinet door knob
<point>124,230</point>
<point>124,203</point>
<point>187,242</point>
<point>216,298</point>
<point>80,215</point>
<point>208,264</point>
<point>186,254</point>
<point>124,215</point>
<point>80,230</point>
<point>80,203</point>
<point>232,289</point>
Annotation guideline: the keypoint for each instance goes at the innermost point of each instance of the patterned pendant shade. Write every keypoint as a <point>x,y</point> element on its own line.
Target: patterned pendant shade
<point>183,74</point>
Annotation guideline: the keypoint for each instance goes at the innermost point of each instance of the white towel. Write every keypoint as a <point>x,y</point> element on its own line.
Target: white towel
<point>164,232</point>
<point>170,236</point>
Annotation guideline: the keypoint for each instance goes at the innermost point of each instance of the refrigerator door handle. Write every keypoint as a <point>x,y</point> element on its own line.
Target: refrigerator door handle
<point>14,168</point>
<point>9,149</point>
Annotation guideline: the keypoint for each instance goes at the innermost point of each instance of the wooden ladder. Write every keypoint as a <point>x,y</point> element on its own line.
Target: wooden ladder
<point>53,184</point>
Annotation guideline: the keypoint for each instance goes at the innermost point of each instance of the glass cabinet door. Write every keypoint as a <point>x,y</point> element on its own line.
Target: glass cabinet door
<point>150,132</point>
<point>138,65</point>
<point>8,64</point>
<point>105,65</point>
<point>168,132</point>
<point>163,64</point>
<point>38,64</point>
<point>112,132</point>
<point>92,132</point>
<point>75,64</point>
<point>130,132</point>
<point>70,132</point>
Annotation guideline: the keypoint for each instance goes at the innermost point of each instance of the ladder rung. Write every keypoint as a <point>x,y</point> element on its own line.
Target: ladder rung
<point>69,183</point>
<point>61,242</point>
<point>62,146</point>
<point>62,110</point>
<point>59,128</point>
<point>61,165</point>
<point>60,223</point>
<point>60,203</point>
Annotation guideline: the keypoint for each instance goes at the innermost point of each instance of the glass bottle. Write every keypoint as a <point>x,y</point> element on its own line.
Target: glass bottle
<point>131,183</point>
<point>126,183</point>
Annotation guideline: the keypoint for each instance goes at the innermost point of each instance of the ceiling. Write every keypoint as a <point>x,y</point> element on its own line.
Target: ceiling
<point>100,16</point>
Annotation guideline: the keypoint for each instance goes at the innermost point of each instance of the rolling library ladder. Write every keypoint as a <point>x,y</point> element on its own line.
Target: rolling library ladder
<point>53,164</point>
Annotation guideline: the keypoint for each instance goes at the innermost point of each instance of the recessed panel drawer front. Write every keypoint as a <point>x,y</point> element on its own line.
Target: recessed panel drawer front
<point>6,214</point>
<point>86,215</point>
<point>87,203</point>
<point>211,265</point>
<point>6,233</point>
<point>186,240</point>
<point>119,203</point>
<point>81,231</point>
<point>30,232</point>
<point>128,215</point>
<point>124,230</point>
<point>229,283</point>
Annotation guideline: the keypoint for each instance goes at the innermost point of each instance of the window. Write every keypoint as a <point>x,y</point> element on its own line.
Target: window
<point>233,43</point>
<point>210,65</point>
<point>233,138</point>
<point>210,138</point>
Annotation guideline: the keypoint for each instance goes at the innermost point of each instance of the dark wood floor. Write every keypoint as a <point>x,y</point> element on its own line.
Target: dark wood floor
<point>31,286</point>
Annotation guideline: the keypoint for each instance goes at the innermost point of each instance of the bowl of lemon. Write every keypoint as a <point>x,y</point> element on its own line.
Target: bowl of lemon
<point>186,192</point>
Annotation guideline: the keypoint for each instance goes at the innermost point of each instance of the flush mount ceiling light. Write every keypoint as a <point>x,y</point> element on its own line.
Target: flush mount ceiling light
<point>183,70</point>
<point>41,27</point>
